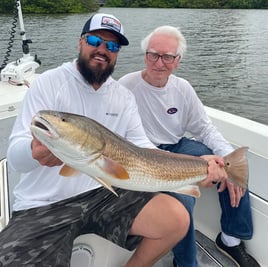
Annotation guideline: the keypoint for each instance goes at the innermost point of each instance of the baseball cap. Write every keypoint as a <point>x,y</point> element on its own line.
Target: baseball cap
<point>108,22</point>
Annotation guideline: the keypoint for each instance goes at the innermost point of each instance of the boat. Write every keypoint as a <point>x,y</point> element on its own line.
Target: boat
<point>91,250</point>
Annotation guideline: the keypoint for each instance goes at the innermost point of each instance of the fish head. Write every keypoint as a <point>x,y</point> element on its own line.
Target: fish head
<point>67,136</point>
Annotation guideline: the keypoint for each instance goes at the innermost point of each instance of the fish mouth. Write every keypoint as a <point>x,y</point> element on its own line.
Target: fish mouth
<point>40,125</point>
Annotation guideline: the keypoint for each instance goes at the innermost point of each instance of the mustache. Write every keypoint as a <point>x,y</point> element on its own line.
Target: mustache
<point>97,54</point>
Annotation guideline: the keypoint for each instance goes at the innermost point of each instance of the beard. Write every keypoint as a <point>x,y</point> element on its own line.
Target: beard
<point>97,74</point>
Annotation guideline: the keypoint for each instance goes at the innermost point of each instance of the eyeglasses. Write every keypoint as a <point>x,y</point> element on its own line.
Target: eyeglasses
<point>166,58</point>
<point>96,41</point>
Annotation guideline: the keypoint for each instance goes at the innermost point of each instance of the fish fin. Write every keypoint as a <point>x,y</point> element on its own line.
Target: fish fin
<point>191,190</point>
<point>68,171</point>
<point>236,166</point>
<point>113,168</point>
<point>107,186</point>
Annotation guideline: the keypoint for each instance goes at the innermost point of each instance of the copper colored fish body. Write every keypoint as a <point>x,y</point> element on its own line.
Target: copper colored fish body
<point>85,145</point>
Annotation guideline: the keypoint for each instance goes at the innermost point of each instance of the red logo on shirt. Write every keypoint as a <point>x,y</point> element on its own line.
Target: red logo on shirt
<point>172,110</point>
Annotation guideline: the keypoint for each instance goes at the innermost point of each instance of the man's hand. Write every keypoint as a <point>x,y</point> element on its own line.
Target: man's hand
<point>217,174</point>
<point>43,155</point>
<point>235,192</point>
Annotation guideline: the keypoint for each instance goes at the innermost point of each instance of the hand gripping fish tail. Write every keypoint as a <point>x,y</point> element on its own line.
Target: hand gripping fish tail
<point>236,166</point>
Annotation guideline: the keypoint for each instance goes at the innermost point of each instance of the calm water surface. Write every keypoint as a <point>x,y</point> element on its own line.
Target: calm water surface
<point>226,60</point>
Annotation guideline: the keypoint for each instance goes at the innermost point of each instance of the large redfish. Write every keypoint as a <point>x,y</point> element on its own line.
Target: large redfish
<point>85,145</point>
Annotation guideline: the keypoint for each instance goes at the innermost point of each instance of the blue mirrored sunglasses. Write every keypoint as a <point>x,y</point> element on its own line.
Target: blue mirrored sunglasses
<point>97,41</point>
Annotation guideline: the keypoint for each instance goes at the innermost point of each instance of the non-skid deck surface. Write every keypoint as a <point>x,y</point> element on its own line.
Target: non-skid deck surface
<point>207,255</point>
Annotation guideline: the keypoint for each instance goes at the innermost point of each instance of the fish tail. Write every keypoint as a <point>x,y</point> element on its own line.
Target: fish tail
<point>236,166</point>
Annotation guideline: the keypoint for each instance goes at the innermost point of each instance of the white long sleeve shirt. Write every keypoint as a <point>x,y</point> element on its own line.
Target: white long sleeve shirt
<point>64,89</point>
<point>168,113</point>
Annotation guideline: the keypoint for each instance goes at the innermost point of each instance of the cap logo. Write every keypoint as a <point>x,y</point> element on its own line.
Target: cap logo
<point>111,23</point>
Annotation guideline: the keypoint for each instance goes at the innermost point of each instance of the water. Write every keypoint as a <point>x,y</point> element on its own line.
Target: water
<point>226,60</point>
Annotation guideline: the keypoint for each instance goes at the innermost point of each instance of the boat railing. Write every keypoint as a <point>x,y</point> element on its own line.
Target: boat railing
<point>4,195</point>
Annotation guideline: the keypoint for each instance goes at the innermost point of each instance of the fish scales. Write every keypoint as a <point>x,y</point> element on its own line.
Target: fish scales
<point>151,162</point>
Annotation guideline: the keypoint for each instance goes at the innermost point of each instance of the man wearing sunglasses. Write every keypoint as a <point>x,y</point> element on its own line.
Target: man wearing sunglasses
<point>169,109</point>
<point>50,211</point>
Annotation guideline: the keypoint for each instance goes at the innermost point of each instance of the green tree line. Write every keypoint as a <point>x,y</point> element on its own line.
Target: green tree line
<point>247,4</point>
<point>83,6</point>
<point>49,6</point>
